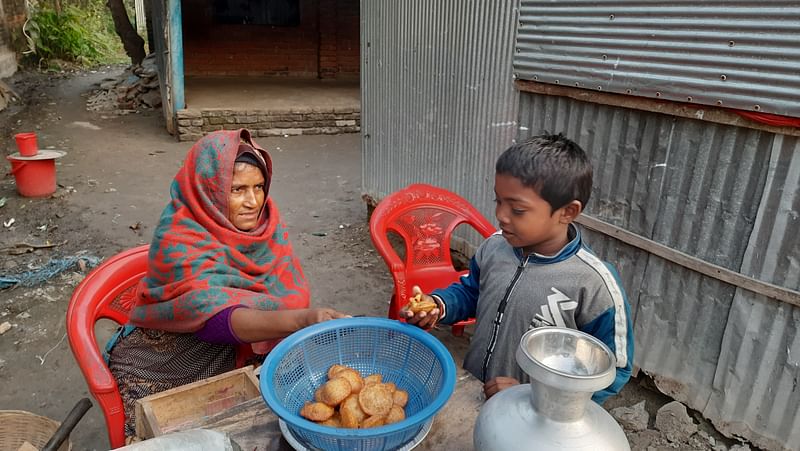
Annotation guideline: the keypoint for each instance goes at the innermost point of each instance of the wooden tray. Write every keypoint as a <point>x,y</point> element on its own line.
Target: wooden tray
<point>189,405</point>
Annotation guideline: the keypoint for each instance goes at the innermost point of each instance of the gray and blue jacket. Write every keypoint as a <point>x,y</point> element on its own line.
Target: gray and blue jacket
<point>509,293</point>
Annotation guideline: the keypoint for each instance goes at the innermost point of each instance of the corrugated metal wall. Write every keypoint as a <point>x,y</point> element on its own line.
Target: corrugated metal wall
<point>438,101</point>
<point>733,53</point>
<point>438,106</point>
<point>756,386</point>
<point>727,195</point>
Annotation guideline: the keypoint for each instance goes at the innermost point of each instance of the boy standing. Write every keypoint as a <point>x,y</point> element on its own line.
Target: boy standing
<point>535,271</point>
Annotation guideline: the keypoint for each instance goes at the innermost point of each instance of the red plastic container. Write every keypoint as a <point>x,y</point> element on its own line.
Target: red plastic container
<point>26,143</point>
<point>36,175</point>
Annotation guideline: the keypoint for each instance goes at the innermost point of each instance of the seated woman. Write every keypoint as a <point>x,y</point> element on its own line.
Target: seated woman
<point>221,277</point>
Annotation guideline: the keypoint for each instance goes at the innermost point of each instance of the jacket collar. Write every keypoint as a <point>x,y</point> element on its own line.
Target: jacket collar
<point>566,252</point>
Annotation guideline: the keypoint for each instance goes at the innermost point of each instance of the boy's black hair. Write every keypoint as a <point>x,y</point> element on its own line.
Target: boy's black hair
<point>552,165</point>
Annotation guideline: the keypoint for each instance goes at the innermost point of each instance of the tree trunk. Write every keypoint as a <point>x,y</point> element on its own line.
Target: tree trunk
<point>131,41</point>
<point>148,15</point>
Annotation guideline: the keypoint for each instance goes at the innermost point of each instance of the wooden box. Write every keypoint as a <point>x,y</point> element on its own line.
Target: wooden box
<point>187,406</point>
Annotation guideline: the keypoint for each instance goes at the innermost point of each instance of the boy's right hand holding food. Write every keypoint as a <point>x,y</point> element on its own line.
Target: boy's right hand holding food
<point>422,310</point>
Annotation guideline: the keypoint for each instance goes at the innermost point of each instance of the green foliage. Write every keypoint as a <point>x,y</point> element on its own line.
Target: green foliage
<point>82,34</point>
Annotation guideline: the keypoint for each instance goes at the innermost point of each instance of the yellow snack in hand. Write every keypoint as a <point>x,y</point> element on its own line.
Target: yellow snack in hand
<point>416,304</point>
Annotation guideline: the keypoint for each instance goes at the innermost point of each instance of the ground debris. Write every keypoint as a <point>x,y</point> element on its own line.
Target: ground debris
<point>674,421</point>
<point>633,418</point>
<point>55,266</point>
<point>137,88</point>
<point>24,248</point>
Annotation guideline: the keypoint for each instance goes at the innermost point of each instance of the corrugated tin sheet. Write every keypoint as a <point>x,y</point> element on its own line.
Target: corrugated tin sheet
<point>697,187</point>
<point>738,54</point>
<point>756,387</point>
<point>438,102</point>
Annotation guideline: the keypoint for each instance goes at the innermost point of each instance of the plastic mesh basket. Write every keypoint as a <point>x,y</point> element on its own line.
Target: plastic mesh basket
<point>406,355</point>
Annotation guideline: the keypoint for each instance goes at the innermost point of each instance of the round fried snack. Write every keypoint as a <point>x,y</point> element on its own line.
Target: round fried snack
<point>416,304</point>
<point>335,369</point>
<point>334,391</point>
<point>316,411</point>
<point>375,399</point>
<point>395,414</point>
<point>400,398</point>
<point>351,413</point>
<point>335,421</point>
<point>374,421</point>
<point>373,379</point>
<point>352,376</point>
<point>391,386</point>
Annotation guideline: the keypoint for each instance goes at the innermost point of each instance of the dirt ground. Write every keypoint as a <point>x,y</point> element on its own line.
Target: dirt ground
<point>113,185</point>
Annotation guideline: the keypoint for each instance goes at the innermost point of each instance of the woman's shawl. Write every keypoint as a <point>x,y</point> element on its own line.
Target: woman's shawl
<point>199,263</point>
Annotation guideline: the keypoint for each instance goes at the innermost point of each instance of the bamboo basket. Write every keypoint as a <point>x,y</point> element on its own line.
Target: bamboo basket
<point>19,426</point>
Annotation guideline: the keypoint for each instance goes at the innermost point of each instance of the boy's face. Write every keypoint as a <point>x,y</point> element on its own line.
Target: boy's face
<point>526,220</point>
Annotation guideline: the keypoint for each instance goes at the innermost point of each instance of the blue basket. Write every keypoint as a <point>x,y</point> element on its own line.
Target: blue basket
<point>406,355</point>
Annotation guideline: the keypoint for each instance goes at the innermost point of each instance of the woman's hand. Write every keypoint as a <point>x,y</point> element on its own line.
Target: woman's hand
<point>318,315</point>
<point>252,325</point>
<point>425,320</point>
<point>497,384</point>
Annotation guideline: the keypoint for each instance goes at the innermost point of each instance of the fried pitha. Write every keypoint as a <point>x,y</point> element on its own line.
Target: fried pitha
<point>396,413</point>
<point>376,399</point>
<point>352,376</point>
<point>373,421</point>
<point>335,421</point>
<point>335,369</point>
<point>316,411</point>
<point>335,391</point>
<point>351,413</point>
<point>416,304</point>
<point>400,398</point>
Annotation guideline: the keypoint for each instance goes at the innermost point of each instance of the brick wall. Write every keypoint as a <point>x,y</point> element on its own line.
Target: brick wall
<point>193,124</point>
<point>328,62</point>
<point>348,38</point>
<point>324,45</point>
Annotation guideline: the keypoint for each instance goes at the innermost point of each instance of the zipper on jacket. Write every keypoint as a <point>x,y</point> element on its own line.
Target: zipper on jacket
<point>498,319</point>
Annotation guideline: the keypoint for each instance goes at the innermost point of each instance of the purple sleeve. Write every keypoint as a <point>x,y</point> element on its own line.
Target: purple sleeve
<point>218,328</point>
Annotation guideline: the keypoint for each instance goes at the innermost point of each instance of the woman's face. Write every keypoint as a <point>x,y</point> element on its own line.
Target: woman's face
<point>246,197</point>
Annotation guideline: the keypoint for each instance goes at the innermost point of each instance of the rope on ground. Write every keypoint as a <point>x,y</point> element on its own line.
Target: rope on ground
<point>53,268</point>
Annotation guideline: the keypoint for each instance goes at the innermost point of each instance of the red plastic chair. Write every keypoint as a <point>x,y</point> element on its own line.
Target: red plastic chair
<point>424,216</point>
<point>108,292</point>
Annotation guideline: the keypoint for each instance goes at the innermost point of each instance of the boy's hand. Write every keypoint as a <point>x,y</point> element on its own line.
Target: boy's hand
<point>418,313</point>
<point>493,386</point>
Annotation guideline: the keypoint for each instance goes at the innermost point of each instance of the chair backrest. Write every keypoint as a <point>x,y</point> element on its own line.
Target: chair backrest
<point>107,292</point>
<point>424,216</point>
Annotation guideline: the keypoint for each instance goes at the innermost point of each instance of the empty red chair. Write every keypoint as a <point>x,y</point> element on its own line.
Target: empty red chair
<point>424,216</point>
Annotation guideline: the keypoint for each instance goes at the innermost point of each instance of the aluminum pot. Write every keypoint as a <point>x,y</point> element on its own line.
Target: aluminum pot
<point>554,411</point>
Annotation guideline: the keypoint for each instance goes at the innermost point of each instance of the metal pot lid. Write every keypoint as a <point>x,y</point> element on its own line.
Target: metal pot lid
<point>566,359</point>
<point>42,154</point>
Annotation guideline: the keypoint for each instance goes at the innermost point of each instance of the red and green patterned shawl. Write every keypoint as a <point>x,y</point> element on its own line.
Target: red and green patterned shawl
<point>199,263</point>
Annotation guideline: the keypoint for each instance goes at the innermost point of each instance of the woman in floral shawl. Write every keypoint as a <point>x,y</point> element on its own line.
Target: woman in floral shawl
<point>222,280</point>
